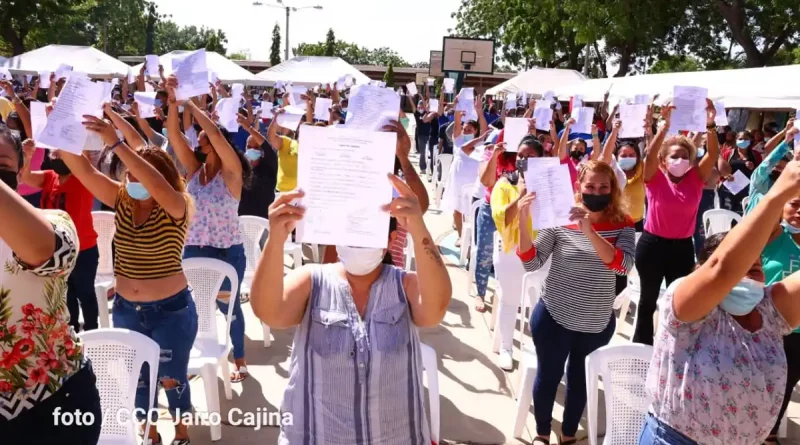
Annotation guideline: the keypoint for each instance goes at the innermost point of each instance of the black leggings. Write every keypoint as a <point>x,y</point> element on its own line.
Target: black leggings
<point>791,345</point>
<point>658,259</point>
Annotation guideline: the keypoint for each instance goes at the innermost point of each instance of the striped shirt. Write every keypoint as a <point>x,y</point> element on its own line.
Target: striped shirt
<point>355,381</point>
<point>579,290</point>
<point>151,250</point>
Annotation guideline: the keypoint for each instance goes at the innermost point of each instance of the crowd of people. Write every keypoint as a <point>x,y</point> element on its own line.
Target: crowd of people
<point>725,357</point>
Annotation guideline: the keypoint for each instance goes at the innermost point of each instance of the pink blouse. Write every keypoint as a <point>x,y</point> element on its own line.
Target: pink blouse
<point>36,164</point>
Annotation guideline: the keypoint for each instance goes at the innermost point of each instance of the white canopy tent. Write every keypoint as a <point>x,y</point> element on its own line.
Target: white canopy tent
<point>757,88</point>
<point>227,71</point>
<point>538,81</point>
<point>310,71</point>
<point>84,59</point>
<point>2,60</point>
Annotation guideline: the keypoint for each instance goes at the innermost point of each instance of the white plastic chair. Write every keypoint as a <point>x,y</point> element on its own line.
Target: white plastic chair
<point>209,352</point>
<point>445,160</point>
<point>430,365</point>
<point>473,245</point>
<point>467,222</point>
<point>411,262</point>
<point>719,221</point>
<point>529,364</point>
<point>117,356</point>
<point>624,372</point>
<point>105,227</point>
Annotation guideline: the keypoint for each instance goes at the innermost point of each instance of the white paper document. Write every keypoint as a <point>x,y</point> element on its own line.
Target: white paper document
<point>738,183</point>
<point>632,117</point>
<point>64,129</point>
<point>466,99</point>
<point>266,110</point>
<point>291,118</point>
<point>371,108</point>
<point>412,88</point>
<point>433,105</point>
<point>523,99</point>
<point>641,99</point>
<point>63,70</point>
<point>147,103</point>
<point>549,179</point>
<point>192,74</point>
<point>228,112</point>
<point>721,118</point>
<point>151,64</point>
<point>44,79</point>
<point>549,96</point>
<point>514,130</point>
<point>583,120</point>
<point>577,101</point>
<point>511,102</point>
<point>343,173</point>
<point>543,115</point>
<point>322,109</point>
<point>449,85</point>
<point>38,122</point>
<point>690,109</point>
<point>430,81</point>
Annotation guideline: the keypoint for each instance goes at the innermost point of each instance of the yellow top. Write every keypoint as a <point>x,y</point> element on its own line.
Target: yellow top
<point>504,194</point>
<point>634,191</point>
<point>6,107</point>
<point>287,165</point>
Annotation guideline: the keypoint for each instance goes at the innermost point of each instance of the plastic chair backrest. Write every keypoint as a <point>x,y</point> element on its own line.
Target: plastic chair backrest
<point>719,221</point>
<point>205,276</point>
<point>472,219</point>
<point>105,227</point>
<point>252,228</point>
<point>532,283</point>
<point>623,369</point>
<point>117,356</point>
<point>446,160</point>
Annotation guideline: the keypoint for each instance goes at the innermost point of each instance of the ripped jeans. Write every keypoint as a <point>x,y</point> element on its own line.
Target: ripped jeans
<point>485,238</point>
<point>172,323</point>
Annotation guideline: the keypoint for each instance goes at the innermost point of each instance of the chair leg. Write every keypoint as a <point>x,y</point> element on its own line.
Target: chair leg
<point>225,367</point>
<point>209,375</point>
<point>524,401</point>
<point>623,313</point>
<point>783,429</point>
<point>102,305</point>
<point>315,253</point>
<point>432,372</point>
<point>267,338</point>
<point>493,320</point>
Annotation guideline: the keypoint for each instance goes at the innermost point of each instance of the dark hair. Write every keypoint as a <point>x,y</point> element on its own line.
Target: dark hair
<point>387,259</point>
<point>475,124</point>
<point>405,104</point>
<point>247,170</point>
<point>709,246</point>
<point>9,137</point>
<point>633,146</point>
<point>14,116</point>
<point>533,143</point>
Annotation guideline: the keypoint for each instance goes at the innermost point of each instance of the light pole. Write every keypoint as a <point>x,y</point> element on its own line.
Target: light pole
<point>289,10</point>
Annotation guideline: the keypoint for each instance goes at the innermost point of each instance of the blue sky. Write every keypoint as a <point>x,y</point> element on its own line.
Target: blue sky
<point>412,28</point>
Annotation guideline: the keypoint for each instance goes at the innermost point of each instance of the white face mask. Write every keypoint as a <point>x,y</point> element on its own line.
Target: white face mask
<point>359,261</point>
<point>678,167</point>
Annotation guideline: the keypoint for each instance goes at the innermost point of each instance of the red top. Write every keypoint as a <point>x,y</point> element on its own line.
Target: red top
<point>73,198</point>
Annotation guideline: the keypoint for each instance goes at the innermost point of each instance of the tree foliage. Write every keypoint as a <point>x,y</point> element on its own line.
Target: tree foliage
<point>330,43</point>
<point>388,76</point>
<point>275,48</point>
<point>352,53</point>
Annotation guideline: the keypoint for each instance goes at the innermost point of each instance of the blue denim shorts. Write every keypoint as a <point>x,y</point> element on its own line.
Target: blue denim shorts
<point>233,255</point>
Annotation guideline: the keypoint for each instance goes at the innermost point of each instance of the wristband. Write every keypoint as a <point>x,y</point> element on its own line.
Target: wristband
<point>112,147</point>
<point>712,127</point>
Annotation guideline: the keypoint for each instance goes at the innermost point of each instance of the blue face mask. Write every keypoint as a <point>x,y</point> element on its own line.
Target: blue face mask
<point>626,163</point>
<point>164,131</point>
<point>790,228</point>
<point>701,152</point>
<point>743,298</point>
<point>467,137</point>
<point>743,143</point>
<point>137,191</point>
<point>252,154</point>
<point>280,101</point>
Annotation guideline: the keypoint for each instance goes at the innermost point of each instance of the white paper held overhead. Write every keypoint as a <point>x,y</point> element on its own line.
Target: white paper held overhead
<point>322,109</point>
<point>550,180</point>
<point>64,129</point>
<point>515,129</point>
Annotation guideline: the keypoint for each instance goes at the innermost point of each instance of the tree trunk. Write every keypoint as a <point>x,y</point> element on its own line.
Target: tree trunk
<point>734,15</point>
<point>17,41</point>
<point>149,44</point>
<point>625,60</point>
<point>601,60</point>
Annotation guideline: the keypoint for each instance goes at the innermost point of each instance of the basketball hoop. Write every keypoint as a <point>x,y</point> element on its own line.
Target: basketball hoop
<point>467,55</point>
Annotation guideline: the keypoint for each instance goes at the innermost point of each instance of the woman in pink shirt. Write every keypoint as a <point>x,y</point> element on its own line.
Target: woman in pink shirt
<point>674,188</point>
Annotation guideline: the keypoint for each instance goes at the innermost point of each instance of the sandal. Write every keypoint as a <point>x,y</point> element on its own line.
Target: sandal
<point>480,305</point>
<point>541,440</point>
<point>148,441</point>
<point>239,375</point>
<point>244,298</point>
<point>181,442</point>
<point>772,440</point>
<point>567,442</point>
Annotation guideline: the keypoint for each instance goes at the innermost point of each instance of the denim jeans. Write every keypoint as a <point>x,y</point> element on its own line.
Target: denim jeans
<point>234,256</point>
<point>172,323</point>
<point>706,203</point>
<point>424,152</point>
<point>80,290</point>
<point>656,432</point>
<point>555,345</point>
<point>483,263</point>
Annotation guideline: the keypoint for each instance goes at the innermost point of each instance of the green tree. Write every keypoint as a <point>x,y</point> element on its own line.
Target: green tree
<point>353,54</point>
<point>170,37</point>
<point>122,26</point>
<point>330,43</point>
<point>28,24</point>
<point>675,64</point>
<point>240,55</point>
<point>388,77</point>
<point>275,49</point>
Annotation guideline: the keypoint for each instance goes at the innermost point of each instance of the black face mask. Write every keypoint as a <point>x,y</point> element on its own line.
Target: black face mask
<point>59,167</point>
<point>512,177</point>
<point>522,165</point>
<point>199,155</point>
<point>10,178</point>
<point>576,155</point>
<point>596,203</point>
<point>775,175</point>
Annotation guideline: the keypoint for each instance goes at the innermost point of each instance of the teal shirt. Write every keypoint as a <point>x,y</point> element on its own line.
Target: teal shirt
<point>759,180</point>
<point>780,259</point>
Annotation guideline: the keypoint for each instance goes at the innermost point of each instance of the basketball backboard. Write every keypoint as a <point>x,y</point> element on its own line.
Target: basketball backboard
<point>435,64</point>
<point>465,55</point>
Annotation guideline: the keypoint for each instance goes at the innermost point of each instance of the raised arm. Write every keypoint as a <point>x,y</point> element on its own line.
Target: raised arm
<point>706,165</point>
<point>611,143</point>
<point>26,230</point>
<point>173,201</point>
<point>487,170</point>
<point>482,125</point>
<point>231,165</point>
<point>272,132</point>
<point>651,158</point>
<point>409,172</point>
<point>778,138</point>
<point>181,148</point>
<point>28,177</point>
<point>132,137</point>
<point>563,153</point>
<point>457,128</point>
<point>702,290</point>
<point>101,186</point>
<point>760,181</point>
<point>595,144</point>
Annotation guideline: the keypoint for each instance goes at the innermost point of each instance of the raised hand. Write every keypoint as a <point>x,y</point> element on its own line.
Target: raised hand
<point>711,112</point>
<point>405,207</point>
<point>403,147</point>
<point>103,128</point>
<point>284,215</point>
<point>580,216</point>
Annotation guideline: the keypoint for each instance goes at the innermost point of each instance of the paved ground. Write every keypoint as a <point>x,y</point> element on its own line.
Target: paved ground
<point>477,405</point>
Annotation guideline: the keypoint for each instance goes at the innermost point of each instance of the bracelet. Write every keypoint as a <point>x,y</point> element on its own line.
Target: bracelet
<point>111,148</point>
<point>711,127</point>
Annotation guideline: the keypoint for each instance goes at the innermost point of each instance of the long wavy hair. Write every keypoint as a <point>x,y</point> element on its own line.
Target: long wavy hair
<point>617,210</point>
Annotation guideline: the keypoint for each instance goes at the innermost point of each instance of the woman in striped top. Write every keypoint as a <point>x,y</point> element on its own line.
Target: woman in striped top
<point>574,316</point>
<point>153,297</point>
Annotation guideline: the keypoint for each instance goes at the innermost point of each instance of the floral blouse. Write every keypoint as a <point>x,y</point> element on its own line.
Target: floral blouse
<point>38,349</point>
<point>713,380</point>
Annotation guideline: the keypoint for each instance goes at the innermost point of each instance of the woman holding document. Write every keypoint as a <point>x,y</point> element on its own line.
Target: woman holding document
<point>674,187</point>
<point>356,369</point>
<point>574,316</point>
